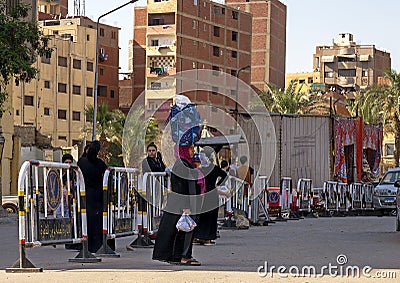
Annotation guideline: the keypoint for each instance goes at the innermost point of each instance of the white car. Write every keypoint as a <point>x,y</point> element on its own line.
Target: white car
<point>10,203</point>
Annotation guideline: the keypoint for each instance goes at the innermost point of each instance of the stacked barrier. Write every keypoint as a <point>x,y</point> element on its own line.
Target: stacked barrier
<point>344,197</point>
<point>357,196</point>
<point>318,201</point>
<point>331,198</point>
<point>48,226</point>
<point>304,188</point>
<point>368,195</point>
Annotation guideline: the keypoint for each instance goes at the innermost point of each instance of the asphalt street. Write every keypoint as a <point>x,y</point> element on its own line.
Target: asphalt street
<point>363,241</point>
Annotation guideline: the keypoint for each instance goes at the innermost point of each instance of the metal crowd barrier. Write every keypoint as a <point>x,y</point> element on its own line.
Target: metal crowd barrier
<point>260,201</point>
<point>344,197</point>
<point>304,188</point>
<point>357,196</point>
<point>331,198</point>
<point>119,207</point>
<point>56,221</point>
<point>368,195</point>
<point>318,203</point>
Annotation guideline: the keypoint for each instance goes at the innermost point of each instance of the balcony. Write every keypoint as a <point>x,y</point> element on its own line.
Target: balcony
<point>347,51</point>
<point>161,30</point>
<point>346,81</point>
<point>163,50</point>
<point>160,72</point>
<point>161,94</point>
<point>347,65</point>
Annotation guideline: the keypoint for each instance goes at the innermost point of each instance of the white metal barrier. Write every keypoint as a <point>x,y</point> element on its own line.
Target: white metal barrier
<point>304,188</point>
<point>368,195</point>
<point>62,217</point>
<point>344,201</point>
<point>286,195</point>
<point>331,196</point>
<point>356,190</point>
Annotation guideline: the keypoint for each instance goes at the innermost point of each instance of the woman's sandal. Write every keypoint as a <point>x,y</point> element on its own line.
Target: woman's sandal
<point>191,262</point>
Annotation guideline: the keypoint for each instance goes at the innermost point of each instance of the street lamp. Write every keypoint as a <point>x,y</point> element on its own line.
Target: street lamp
<point>237,90</point>
<point>96,73</point>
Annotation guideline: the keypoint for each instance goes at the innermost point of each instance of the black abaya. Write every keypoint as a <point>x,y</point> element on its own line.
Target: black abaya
<point>93,174</point>
<point>207,225</point>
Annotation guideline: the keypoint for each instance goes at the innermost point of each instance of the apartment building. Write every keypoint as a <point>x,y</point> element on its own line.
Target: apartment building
<point>172,36</point>
<point>57,8</point>
<point>268,57</point>
<point>346,66</point>
<point>55,102</point>
<point>307,81</point>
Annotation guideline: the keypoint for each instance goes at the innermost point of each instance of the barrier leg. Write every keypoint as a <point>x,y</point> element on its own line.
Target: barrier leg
<point>84,256</point>
<point>143,240</point>
<point>23,264</point>
<point>105,250</point>
<point>280,218</point>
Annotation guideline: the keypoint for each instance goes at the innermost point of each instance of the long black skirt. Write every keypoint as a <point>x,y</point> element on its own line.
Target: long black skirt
<point>171,244</point>
<point>207,225</point>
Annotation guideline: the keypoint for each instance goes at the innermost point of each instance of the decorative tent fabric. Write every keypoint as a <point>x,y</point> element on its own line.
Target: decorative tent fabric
<point>372,138</point>
<point>347,131</point>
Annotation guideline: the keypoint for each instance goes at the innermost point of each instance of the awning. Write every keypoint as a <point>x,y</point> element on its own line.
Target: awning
<point>364,58</point>
<point>328,59</point>
<point>220,140</point>
<point>347,55</point>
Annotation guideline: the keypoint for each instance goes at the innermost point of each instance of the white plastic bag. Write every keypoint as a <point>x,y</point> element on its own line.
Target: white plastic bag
<point>185,223</point>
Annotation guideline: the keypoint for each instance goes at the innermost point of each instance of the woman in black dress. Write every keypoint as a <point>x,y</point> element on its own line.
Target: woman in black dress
<point>93,170</point>
<point>172,245</point>
<point>206,230</point>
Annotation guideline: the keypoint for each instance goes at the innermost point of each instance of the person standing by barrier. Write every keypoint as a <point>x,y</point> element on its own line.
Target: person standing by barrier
<point>93,169</point>
<point>153,162</point>
<point>206,230</point>
<point>172,245</point>
<point>245,173</point>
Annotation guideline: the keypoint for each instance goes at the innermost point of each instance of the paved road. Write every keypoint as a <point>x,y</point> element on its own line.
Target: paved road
<point>365,241</point>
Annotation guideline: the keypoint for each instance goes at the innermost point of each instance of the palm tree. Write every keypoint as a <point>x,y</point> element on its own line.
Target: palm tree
<point>381,104</point>
<point>292,101</point>
<point>109,128</point>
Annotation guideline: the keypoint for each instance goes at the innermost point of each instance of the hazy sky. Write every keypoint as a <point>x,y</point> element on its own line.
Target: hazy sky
<point>309,23</point>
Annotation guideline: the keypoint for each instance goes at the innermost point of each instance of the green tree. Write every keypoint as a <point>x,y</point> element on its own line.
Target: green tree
<point>109,128</point>
<point>292,101</point>
<point>21,42</point>
<point>381,104</point>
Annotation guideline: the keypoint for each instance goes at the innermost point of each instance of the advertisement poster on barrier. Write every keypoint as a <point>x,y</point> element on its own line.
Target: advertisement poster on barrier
<point>274,198</point>
<point>357,193</point>
<point>343,200</point>
<point>331,195</point>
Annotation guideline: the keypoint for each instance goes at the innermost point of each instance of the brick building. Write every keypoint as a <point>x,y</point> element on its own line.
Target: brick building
<point>178,35</point>
<point>268,41</point>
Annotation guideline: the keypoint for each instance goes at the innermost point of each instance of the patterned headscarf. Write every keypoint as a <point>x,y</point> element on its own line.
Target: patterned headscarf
<point>183,152</point>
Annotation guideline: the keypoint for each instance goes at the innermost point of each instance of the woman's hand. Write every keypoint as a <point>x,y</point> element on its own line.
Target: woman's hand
<point>186,211</point>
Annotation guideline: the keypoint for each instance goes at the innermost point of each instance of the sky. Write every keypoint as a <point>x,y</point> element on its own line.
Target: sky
<point>310,23</point>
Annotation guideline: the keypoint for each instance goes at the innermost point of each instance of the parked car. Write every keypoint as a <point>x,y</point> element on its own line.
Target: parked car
<point>10,203</point>
<point>385,192</point>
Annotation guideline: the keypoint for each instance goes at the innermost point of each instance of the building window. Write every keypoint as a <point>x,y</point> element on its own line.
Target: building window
<point>62,61</point>
<point>76,89</point>
<point>389,149</point>
<point>28,100</point>
<point>364,73</point>
<point>88,37</point>
<point>101,32</point>
<point>194,24</point>
<point>62,87</point>
<point>234,36</point>
<point>154,42</point>
<point>157,22</point>
<point>223,11</point>
<point>235,15</point>
<point>217,10</point>
<point>346,59</point>
<point>194,43</point>
<point>205,27</point>
<point>214,90</point>
<point>46,84</point>
<point>89,66</point>
<point>310,80</point>
<point>234,54</point>
<point>62,114</point>
<point>46,111</point>
<point>215,71</point>
<point>155,85</point>
<point>113,35</point>
<point>216,51</point>
<point>233,73</point>
<point>112,94</point>
<point>89,91</point>
<point>76,115</point>
<point>102,91</point>
<point>63,138</point>
<point>77,64</point>
<point>17,112</point>
<point>347,72</point>
<point>46,59</point>
<point>216,31</point>
<point>101,71</point>
<point>329,74</point>
<point>195,2</point>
